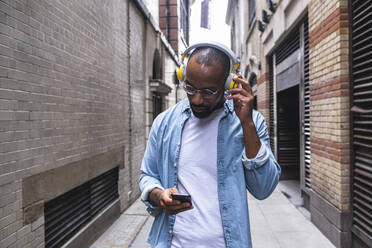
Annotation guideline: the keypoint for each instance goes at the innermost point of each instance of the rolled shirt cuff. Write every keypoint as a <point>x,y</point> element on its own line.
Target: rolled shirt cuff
<point>152,210</point>
<point>260,159</point>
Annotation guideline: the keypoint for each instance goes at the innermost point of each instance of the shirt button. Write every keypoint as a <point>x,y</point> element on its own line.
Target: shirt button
<point>175,165</point>
<point>170,231</point>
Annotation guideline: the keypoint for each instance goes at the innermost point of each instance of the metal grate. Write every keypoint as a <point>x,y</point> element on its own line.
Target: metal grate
<point>271,93</point>
<point>306,110</point>
<point>288,46</point>
<point>362,118</point>
<point>67,214</point>
<point>288,151</point>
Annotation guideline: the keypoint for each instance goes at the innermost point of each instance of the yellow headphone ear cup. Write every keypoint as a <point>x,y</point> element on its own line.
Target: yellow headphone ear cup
<point>230,83</point>
<point>236,66</point>
<point>235,84</point>
<point>180,73</point>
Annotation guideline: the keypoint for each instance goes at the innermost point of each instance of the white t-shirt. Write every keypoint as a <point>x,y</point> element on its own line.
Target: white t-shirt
<point>197,176</point>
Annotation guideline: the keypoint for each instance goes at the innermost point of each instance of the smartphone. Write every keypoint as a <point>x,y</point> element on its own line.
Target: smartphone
<point>182,197</point>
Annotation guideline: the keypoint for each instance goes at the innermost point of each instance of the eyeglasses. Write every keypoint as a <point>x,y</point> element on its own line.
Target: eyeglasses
<point>205,93</point>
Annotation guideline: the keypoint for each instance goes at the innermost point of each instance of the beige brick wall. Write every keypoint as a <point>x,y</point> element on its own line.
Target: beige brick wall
<point>331,180</point>
<point>329,95</point>
<point>330,119</point>
<point>263,98</point>
<point>319,11</point>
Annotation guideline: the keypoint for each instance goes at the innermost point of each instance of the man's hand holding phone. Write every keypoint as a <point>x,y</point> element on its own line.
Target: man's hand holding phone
<point>164,199</point>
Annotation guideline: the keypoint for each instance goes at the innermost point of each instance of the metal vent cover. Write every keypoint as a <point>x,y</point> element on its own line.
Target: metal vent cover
<point>288,46</point>
<point>68,213</point>
<point>306,117</point>
<point>271,101</point>
<point>361,12</point>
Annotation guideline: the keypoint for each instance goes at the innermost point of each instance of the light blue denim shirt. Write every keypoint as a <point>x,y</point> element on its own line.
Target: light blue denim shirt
<point>235,172</point>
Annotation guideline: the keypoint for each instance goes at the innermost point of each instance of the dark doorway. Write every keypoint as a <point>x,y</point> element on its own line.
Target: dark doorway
<point>288,133</point>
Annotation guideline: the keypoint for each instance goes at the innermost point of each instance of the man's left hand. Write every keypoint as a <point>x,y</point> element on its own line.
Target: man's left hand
<point>243,100</point>
<point>243,106</point>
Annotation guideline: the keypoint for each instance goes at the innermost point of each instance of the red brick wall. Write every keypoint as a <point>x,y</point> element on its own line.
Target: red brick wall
<point>170,30</point>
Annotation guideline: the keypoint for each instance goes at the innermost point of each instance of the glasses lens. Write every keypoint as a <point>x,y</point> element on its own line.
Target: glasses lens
<point>207,92</point>
<point>189,89</point>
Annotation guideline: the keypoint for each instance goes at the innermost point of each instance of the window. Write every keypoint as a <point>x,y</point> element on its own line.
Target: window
<point>232,36</point>
<point>205,21</point>
<point>185,19</point>
<point>251,11</point>
<point>253,79</point>
<point>253,83</point>
<point>156,104</point>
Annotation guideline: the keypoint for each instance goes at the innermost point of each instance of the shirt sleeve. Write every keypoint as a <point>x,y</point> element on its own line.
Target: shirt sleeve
<point>260,159</point>
<point>262,173</point>
<point>150,176</point>
<point>151,209</point>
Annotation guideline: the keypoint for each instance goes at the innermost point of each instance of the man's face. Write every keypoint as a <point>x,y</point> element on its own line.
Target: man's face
<point>205,77</point>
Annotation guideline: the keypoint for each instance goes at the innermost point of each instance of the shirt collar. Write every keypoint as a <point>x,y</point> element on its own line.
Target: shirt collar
<point>229,106</point>
<point>186,105</point>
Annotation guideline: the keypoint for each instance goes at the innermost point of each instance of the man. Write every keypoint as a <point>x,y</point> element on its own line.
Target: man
<point>213,149</point>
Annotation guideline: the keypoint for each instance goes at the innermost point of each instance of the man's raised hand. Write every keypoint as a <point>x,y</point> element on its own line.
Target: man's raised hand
<point>243,100</point>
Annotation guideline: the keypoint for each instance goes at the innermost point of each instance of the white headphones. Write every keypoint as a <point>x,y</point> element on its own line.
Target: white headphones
<point>234,62</point>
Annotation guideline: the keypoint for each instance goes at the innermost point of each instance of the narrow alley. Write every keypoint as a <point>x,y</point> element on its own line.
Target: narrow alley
<point>276,222</point>
<point>107,100</point>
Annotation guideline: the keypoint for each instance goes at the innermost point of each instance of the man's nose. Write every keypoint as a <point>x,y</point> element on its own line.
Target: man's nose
<point>197,98</point>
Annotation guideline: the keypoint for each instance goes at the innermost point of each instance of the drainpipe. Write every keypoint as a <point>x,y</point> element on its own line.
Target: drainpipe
<point>168,20</point>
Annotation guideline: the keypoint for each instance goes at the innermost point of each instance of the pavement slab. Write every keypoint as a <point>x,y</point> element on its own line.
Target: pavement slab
<point>125,229</point>
<point>140,240</point>
<point>276,222</point>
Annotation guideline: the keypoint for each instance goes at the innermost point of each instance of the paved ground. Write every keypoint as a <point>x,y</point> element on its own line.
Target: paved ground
<point>277,222</point>
<point>125,229</point>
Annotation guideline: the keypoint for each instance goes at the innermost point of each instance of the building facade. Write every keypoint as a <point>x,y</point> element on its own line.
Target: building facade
<point>172,18</point>
<point>312,62</point>
<point>80,83</point>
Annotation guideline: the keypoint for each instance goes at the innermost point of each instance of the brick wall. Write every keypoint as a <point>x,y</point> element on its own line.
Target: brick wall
<point>67,69</point>
<point>168,20</point>
<point>329,95</point>
<point>263,96</point>
<point>253,57</point>
<point>137,93</point>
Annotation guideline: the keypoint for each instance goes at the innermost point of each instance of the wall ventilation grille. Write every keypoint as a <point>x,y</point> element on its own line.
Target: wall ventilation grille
<point>68,213</point>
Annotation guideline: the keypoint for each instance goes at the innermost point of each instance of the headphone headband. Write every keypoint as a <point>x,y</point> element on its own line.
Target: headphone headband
<point>234,62</point>
<point>234,59</point>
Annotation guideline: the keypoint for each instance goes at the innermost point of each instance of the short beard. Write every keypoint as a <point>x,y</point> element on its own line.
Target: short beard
<point>206,113</point>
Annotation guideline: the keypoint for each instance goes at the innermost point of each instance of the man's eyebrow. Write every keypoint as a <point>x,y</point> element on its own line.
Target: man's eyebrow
<point>210,88</point>
<point>186,81</point>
